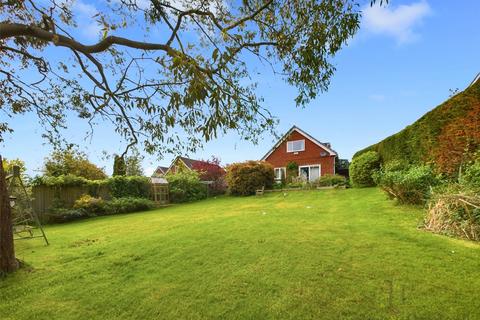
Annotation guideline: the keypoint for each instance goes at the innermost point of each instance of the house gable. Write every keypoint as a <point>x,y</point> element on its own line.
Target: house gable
<point>178,163</point>
<point>289,136</point>
<point>311,152</point>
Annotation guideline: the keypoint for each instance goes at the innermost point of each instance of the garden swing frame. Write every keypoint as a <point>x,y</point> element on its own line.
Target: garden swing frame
<point>22,223</point>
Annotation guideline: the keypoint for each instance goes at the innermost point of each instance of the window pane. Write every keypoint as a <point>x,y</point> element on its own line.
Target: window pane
<point>294,146</point>
<point>304,172</point>
<point>289,146</point>
<point>314,173</point>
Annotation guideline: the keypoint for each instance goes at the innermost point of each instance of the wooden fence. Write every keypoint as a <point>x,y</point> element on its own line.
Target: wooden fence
<point>45,197</point>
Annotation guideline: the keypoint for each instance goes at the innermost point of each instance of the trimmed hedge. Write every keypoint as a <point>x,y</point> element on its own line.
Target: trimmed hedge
<point>419,142</point>
<point>68,180</point>
<point>246,177</point>
<point>118,186</point>
<point>131,186</point>
<point>362,169</point>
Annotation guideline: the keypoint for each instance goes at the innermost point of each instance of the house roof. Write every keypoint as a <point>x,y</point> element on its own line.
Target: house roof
<point>160,170</point>
<point>192,163</point>
<point>323,145</point>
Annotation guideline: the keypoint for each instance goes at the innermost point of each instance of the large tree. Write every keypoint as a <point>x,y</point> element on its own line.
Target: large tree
<point>162,70</point>
<point>74,162</point>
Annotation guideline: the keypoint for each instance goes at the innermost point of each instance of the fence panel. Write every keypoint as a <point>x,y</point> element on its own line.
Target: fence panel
<point>45,197</point>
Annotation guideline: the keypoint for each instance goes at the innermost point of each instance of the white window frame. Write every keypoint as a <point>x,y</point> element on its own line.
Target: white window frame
<point>290,143</point>
<point>309,166</point>
<point>284,169</point>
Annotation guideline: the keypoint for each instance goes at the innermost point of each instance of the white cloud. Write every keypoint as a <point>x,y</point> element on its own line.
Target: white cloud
<point>85,8</point>
<point>149,171</point>
<point>398,22</point>
<point>85,12</point>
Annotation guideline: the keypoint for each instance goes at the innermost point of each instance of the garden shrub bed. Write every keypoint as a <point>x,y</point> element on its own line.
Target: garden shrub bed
<point>88,206</point>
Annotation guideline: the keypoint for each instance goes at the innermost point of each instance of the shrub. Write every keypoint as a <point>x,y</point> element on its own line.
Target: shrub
<point>127,205</point>
<point>296,184</point>
<point>291,171</point>
<point>88,206</point>
<point>410,186</point>
<point>246,177</point>
<point>395,165</point>
<point>363,167</point>
<point>132,186</point>
<point>331,180</point>
<point>61,215</point>
<point>92,205</point>
<point>185,186</point>
<point>471,177</point>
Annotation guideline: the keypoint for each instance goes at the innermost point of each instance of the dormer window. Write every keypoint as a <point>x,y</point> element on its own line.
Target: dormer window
<point>296,145</point>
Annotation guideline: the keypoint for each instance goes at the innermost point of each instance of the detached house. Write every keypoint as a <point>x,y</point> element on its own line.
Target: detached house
<point>314,158</point>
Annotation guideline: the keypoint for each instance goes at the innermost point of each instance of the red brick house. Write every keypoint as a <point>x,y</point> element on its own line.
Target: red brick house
<point>314,158</point>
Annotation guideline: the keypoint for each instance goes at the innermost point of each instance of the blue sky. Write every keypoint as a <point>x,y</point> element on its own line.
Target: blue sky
<point>400,65</point>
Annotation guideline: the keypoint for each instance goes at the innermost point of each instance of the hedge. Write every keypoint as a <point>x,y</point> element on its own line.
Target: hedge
<point>130,186</point>
<point>118,186</point>
<point>419,142</point>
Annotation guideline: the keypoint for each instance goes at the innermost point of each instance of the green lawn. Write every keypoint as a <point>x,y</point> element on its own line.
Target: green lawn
<point>330,254</point>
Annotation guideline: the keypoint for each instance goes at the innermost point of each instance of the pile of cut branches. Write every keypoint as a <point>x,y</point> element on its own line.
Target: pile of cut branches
<point>455,214</point>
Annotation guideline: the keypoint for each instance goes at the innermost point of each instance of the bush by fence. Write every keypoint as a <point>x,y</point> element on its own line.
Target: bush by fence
<point>246,177</point>
<point>185,186</point>
<point>88,206</point>
<point>53,193</point>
